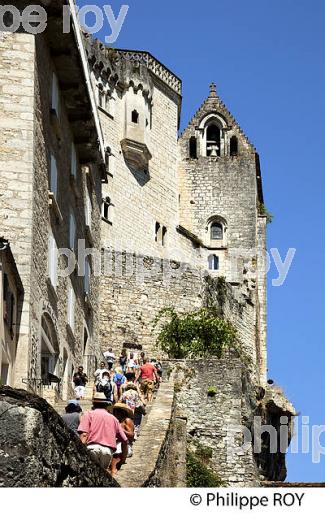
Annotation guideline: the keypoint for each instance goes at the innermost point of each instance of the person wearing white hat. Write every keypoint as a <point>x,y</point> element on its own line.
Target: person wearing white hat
<point>99,430</point>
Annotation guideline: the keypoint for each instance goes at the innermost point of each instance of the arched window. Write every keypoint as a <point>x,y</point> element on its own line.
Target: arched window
<point>49,349</point>
<point>193,147</point>
<point>213,261</point>
<point>135,117</point>
<point>216,231</point>
<point>213,140</point>
<point>233,145</point>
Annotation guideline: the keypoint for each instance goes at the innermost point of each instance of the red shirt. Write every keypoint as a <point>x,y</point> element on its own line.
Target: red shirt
<point>147,371</point>
<point>102,428</point>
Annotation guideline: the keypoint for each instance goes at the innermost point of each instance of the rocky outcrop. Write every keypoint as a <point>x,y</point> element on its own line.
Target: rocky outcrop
<point>38,450</point>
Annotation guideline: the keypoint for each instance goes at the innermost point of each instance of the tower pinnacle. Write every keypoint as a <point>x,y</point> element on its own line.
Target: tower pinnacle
<point>213,90</point>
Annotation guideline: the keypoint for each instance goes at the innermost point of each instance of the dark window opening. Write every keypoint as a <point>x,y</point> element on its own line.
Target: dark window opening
<point>193,148</point>
<point>135,117</point>
<point>213,263</point>
<point>164,235</point>
<point>216,231</point>
<point>234,145</point>
<point>157,229</point>
<point>106,208</point>
<point>213,141</point>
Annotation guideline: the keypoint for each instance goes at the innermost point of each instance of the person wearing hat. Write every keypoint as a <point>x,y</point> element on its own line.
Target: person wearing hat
<point>124,415</point>
<point>99,430</point>
<point>72,415</point>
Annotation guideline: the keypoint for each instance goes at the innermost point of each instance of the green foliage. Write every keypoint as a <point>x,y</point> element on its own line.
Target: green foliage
<point>194,334</point>
<point>265,213</point>
<point>212,391</point>
<point>204,453</point>
<point>198,474</point>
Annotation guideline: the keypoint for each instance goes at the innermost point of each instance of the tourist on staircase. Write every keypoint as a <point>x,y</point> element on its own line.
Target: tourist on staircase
<point>119,379</point>
<point>80,380</point>
<point>99,371</point>
<point>123,360</point>
<point>99,430</point>
<point>147,374</point>
<point>125,417</point>
<point>142,358</point>
<point>110,358</point>
<point>105,385</point>
<point>72,415</point>
<point>132,365</point>
<point>131,397</point>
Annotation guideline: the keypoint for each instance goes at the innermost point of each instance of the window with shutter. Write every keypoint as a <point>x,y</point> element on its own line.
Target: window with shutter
<point>87,276</point>
<point>71,307</point>
<point>53,261</point>
<point>72,232</point>
<point>88,209</point>
<point>55,102</point>
<point>73,161</point>
<point>53,176</point>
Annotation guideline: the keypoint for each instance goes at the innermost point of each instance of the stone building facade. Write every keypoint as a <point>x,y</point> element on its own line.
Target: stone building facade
<point>52,168</point>
<point>173,205</point>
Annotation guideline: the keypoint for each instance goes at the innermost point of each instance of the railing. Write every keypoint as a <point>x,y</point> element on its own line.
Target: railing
<point>36,385</point>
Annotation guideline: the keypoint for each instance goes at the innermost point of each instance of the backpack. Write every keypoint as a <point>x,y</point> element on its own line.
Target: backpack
<point>106,389</point>
<point>119,380</point>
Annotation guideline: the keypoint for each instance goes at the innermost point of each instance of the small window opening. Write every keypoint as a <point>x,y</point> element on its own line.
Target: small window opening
<point>233,145</point>
<point>106,208</point>
<point>216,231</point>
<point>135,117</point>
<point>213,263</point>
<point>213,141</point>
<point>164,235</point>
<point>157,231</point>
<point>193,148</point>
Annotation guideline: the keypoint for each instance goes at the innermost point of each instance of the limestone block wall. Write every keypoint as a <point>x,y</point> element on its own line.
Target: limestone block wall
<point>138,287</point>
<point>215,422</point>
<point>140,199</point>
<point>225,187</point>
<point>17,83</point>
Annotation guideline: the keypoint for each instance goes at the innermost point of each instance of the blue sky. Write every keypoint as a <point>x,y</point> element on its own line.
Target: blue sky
<point>267,59</point>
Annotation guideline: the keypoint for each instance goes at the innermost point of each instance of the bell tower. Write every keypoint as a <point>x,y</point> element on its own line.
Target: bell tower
<point>220,200</point>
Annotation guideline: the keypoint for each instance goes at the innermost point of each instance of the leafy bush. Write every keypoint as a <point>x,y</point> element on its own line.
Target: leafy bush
<point>199,475</point>
<point>194,334</point>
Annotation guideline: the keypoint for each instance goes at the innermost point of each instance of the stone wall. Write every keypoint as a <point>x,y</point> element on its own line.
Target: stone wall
<point>17,58</point>
<point>214,421</point>
<point>71,198</point>
<point>38,450</point>
<point>159,458</point>
<point>136,288</point>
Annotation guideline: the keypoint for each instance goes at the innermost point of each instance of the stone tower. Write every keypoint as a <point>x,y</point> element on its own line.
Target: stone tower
<point>221,200</point>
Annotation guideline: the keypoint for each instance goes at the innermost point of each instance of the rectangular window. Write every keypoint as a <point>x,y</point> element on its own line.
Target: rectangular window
<point>71,307</point>
<point>88,209</point>
<point>87,276</point>
<point>53,261</point>
<point>72,232</point>
<point>53,176</point>
<point>73,161</point>
<point>55,101</point>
